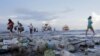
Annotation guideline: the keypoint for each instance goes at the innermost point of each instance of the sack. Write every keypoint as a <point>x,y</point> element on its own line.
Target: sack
<point>8,28</point>
<point>15,28</point>
<point>22,28</point>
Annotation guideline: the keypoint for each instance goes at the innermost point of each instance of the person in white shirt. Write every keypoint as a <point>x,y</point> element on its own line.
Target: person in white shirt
<point>31,28</point>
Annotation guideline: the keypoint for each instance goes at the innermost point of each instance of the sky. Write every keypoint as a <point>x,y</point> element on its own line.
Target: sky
<point>57,13</point>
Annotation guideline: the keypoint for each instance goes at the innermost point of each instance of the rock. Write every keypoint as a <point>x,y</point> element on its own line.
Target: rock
<point>11,41</point>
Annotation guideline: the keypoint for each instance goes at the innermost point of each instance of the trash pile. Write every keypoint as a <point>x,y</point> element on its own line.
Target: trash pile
<point>13,46</point>
<point>58,45</point>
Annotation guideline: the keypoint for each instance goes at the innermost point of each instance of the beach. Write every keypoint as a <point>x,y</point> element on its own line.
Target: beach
<point>76,37</point>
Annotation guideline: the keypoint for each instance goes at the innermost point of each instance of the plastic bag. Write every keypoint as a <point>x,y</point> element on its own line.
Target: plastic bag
<point>66,53</point>
<point>49,53</point>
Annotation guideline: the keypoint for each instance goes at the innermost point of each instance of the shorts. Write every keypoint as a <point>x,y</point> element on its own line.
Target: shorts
<point>31,31</point>
<point>90,27</point>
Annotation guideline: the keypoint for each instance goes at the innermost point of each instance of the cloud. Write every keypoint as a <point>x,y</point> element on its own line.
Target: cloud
<point>39,15</point>
<point>26,14</point>
<point>36,15</point>
<point>96,17</point>
<point>96,20</point>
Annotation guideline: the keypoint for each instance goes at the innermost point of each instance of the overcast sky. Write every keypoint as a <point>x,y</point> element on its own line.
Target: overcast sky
<point>58,13</point>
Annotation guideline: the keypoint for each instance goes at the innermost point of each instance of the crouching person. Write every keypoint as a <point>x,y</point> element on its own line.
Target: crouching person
<point>19,28</point>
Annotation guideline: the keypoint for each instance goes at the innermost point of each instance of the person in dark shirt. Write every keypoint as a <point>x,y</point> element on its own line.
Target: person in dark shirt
<point>10,26</point>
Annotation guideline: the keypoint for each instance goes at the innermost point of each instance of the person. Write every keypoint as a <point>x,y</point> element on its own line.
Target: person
<point>90,25</point>
<point>10,26</point>
<point>20,27</point>
<point>31,28</point>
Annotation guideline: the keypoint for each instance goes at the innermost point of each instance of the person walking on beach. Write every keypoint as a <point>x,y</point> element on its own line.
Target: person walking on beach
<point>90,25</point>
<point>10,26</point>
<point>31,28</point>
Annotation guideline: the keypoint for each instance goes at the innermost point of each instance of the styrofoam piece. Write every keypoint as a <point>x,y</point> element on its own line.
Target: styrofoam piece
<point>91,50</point>
<point>7,42</point>
<point>12,41</point>
<point>4,47</point>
